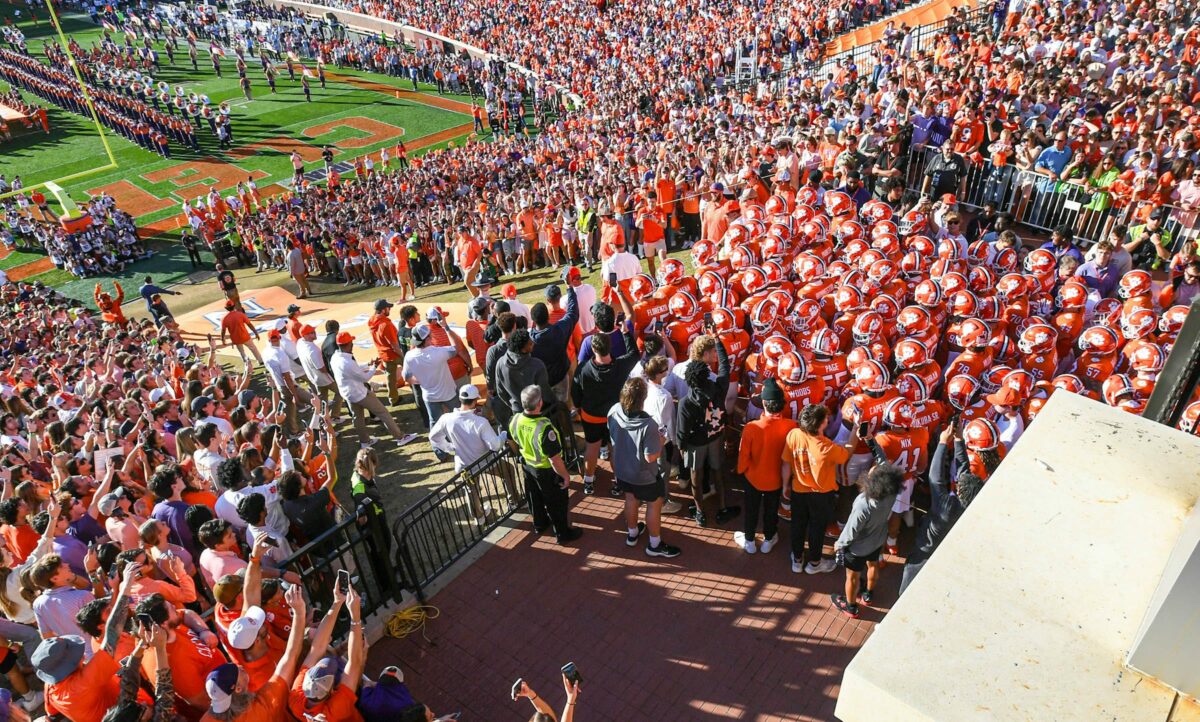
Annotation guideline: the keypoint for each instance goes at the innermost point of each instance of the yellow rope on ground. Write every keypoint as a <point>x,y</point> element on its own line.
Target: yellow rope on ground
<point>406,621</point>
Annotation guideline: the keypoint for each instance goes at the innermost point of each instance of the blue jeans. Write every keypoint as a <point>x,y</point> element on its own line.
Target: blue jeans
<point>436,409</point>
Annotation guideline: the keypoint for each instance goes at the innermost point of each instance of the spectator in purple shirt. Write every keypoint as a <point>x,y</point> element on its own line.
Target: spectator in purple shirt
<point>71,550</point>
<point>1061,244</point>
<point>167,485</point>
<point>1101,274</point>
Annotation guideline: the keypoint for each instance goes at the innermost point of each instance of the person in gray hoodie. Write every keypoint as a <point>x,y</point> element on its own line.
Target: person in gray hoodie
<point>637,443</point>
<point>862,539</point>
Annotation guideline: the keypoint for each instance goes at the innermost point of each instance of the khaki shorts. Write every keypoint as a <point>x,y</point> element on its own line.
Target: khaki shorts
<point>650,250</point>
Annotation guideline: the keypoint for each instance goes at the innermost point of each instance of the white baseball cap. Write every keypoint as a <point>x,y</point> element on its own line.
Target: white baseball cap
<point>244,630</point>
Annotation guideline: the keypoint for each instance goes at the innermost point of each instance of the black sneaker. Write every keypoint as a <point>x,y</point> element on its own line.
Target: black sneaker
<point>700,519</point>
<point>615,492</point>
<point>865,596</point>
<point>631,540</point>
<point>572,534</point>
<point>848,608</point>
<point>589,488</point>
<point>662,550</point>
<point>727,513</point>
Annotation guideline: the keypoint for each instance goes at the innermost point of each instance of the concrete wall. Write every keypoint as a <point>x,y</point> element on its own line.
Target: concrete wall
<point>1029,607</point>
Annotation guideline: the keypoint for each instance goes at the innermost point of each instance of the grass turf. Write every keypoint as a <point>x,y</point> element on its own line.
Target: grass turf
<point>73,145</point>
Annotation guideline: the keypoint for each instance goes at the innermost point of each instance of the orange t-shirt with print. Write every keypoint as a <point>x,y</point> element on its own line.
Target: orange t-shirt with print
<point>86,695</point>
<point>267,705</point>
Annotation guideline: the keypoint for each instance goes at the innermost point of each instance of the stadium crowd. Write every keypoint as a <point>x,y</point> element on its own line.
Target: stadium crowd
<point>842,324</point>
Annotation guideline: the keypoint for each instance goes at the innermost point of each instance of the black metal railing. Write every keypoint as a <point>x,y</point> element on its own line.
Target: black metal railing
<point>440,529</point>
<point>360,544</point>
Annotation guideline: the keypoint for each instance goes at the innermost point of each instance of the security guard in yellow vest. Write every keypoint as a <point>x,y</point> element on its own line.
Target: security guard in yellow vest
<point>546,476</point>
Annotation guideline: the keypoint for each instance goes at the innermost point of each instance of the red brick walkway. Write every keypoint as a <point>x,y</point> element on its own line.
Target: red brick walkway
<point>714,634</point>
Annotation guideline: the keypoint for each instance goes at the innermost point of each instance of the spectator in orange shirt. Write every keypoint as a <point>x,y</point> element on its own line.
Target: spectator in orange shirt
<point>323,689</point>
<point>228,685</point>
<point>79,689</point>
<point>236,325</point>
<point>759,463</point>
<point>813,459</point>
<point>387,346</point>
<point>479,311</point>
<point>19,536</point>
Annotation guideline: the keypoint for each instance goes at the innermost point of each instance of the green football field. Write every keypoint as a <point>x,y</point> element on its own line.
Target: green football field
<point>331,117</point>
<point>357,113</point>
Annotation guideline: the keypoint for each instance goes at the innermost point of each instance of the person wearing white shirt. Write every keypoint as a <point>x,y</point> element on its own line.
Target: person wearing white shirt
<point>313,363</point>
<point>515,305</point>
<point>660,405</point>
<point>585,295</point>
<point>353,383</point>
<point>623,263</point>
<point>466,435</point>
<point>203,408</point>
<point>207,457</point>
<point>226,506</point>
<point>1006,402</point>
<point>279,371</point>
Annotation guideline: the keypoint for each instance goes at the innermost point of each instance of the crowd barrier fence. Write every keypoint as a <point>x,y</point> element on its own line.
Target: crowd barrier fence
<point>441,528</point>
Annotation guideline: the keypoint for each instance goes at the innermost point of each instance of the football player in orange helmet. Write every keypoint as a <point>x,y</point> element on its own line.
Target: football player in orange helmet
<point>1069,321</point>
<point>686,322</point>
<point>737,345</point>
<point>963,393</point>
<point>1038,345</point>
<point>673,276</point>
<point>1146,363</point>
<point>800,387</point>
<point>649,306</point>
<point>906,446</point>
<point>828,363</point>
<point>984,448</point>
<point>1138,327</point>
<point>1136,290</point>
<point>874,391</point>
<point>977,354</point>
<point>1099,346</point>
<point>868,332</point>
<point>929,412</point>
<point>913,357</point>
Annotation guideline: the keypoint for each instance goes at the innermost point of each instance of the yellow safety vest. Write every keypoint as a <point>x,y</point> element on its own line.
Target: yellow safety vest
<point>528,432</point>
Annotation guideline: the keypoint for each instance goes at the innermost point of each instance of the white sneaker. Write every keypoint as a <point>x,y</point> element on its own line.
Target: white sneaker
<point>768,544</point>
<point>368,443</point>
<point>672,507</point>
<point>822,567</point>
<point>740,539</point>
<point>797,566</point>
<point>31,701</point>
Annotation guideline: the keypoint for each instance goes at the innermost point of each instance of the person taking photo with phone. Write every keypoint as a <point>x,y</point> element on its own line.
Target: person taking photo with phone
<point>543,712</point>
